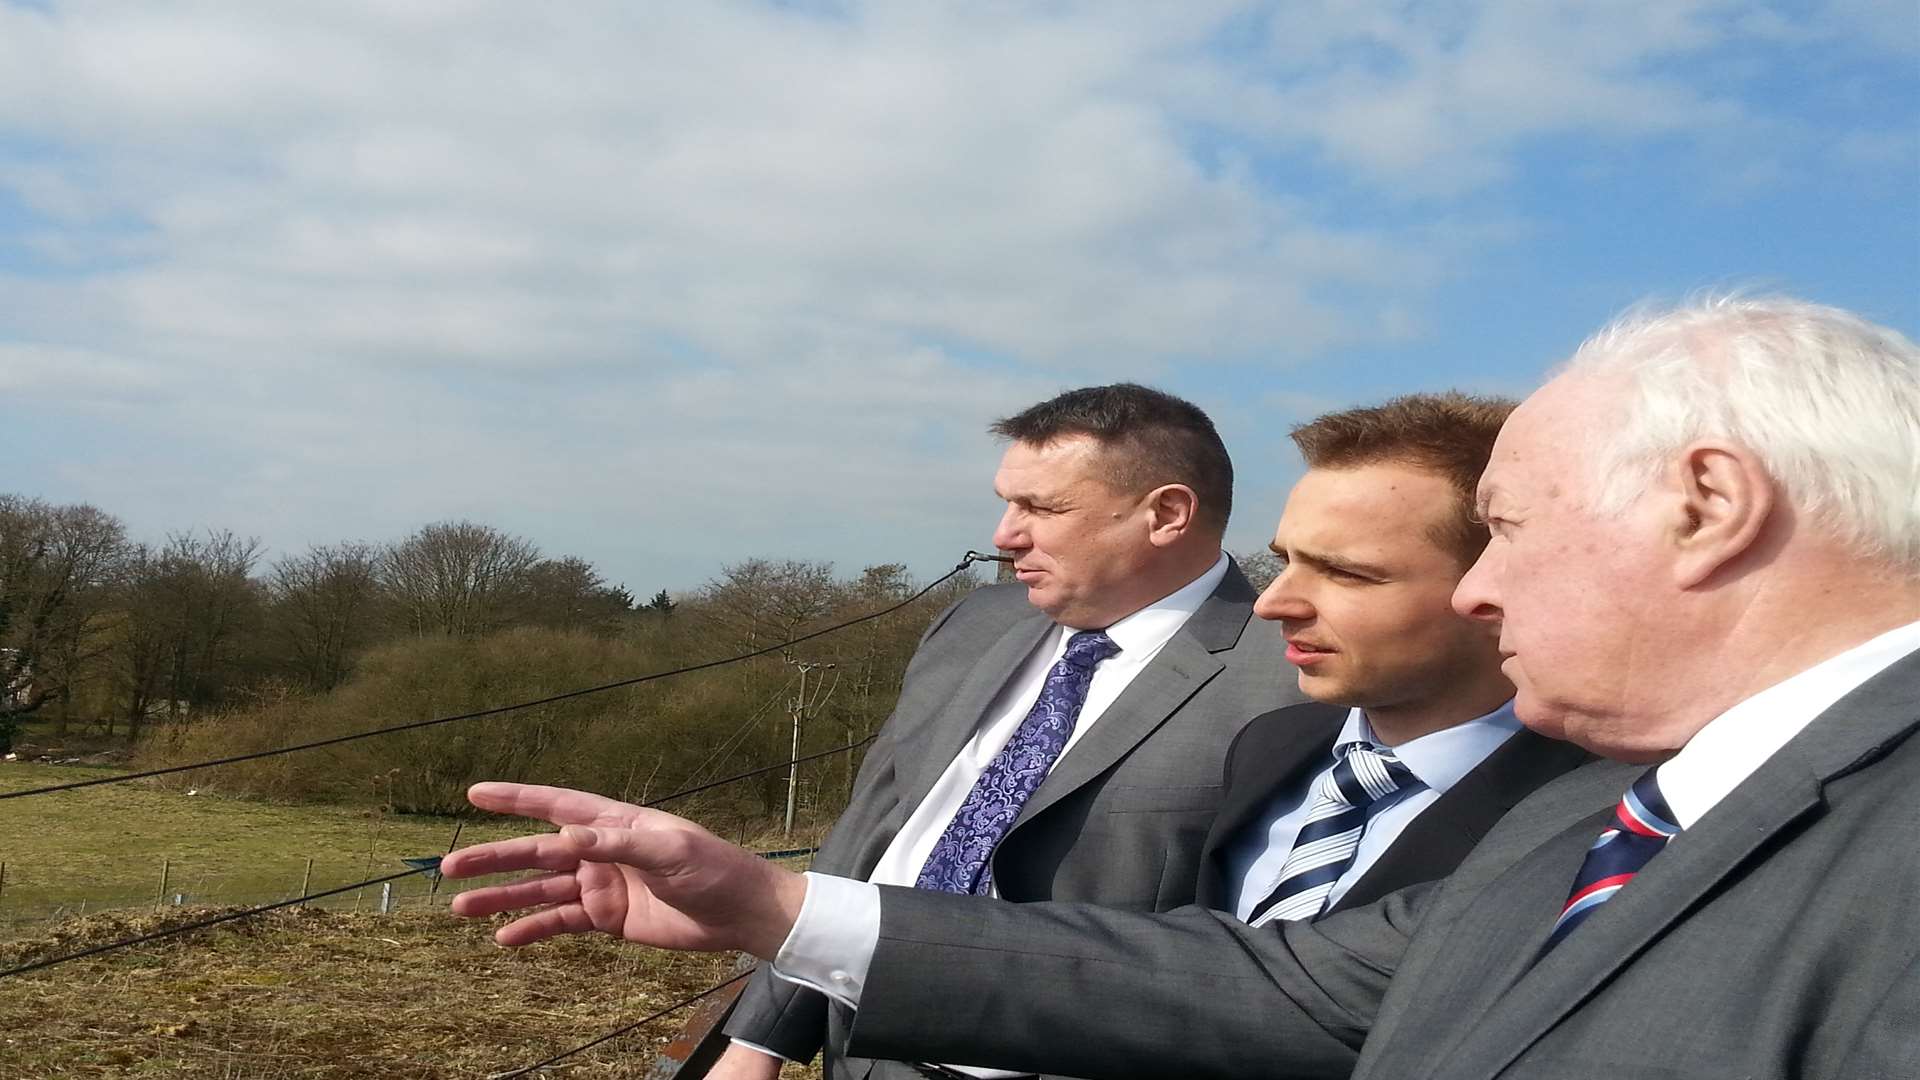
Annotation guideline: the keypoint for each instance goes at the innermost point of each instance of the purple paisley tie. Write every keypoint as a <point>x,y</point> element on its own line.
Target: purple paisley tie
<point>961,859</point>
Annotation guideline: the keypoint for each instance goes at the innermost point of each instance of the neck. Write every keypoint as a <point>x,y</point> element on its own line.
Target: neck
<point>1394,725</point>
<point>1164,579</point>
<point>1781,635</point>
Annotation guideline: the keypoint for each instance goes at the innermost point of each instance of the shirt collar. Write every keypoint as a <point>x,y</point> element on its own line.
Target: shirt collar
<point>1740,740</point>
<point>1441,758</point>
<point>1152,626</point>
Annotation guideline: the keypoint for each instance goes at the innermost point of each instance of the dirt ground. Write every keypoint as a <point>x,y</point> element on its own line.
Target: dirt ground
<point>314,994</point>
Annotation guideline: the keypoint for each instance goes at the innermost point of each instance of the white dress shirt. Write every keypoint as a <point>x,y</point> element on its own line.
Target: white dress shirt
<point>1740,740</point>
<point>832,943</point>
<point>1255,855</point>
<point>1140,637</point>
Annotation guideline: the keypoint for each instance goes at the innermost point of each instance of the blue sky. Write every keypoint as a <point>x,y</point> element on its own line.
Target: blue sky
<point>669,286</point>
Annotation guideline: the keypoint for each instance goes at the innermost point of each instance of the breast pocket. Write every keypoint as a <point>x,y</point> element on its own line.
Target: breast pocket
<point>1161,800</point>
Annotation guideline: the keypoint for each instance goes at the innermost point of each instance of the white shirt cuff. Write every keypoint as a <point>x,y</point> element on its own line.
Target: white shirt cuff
<point>831,944</point>
<point>758,1049</point>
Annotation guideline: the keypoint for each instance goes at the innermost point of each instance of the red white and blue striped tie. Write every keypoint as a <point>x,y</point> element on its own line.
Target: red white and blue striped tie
<point>1642,825</point>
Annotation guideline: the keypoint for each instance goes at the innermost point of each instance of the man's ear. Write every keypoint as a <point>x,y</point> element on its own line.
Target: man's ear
<point>1722,505</point>
<point>1171,510</point>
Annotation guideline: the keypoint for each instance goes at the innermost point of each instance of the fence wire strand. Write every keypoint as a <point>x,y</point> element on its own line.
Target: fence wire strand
<point>234,916</point>
<point>617,1032</point>
<point>202,924</point>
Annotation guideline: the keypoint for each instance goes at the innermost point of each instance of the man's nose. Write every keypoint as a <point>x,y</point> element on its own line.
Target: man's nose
<point>1476,597</point>
<point>1281,600</point>
<point>1011,533</point>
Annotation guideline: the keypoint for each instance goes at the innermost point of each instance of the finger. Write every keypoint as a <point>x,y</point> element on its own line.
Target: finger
<point>541,925</point>
<point>548,851</point>
<point>651,848</point>
<point>561,806</point>
<point>534,892</point>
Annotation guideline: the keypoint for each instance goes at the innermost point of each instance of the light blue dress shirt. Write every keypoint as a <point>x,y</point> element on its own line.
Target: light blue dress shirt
<point>1254,856</point>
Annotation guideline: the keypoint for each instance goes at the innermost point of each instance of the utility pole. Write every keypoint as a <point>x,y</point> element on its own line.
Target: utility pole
<point>798,706</point>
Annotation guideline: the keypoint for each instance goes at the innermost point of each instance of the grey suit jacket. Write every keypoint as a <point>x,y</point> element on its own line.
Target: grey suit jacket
<point>1776,938</point>
<point>1119,822</point>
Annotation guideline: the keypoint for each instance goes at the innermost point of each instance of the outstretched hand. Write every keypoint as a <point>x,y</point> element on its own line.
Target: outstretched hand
<point>639,874</point>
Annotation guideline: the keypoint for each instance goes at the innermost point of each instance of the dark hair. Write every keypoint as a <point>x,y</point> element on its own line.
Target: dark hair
<point>1150,438</point>
<point>1450,434</point>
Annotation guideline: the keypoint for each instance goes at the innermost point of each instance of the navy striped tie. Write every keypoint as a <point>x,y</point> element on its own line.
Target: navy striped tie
<point>1365,780</point>
<point>1642,825</point>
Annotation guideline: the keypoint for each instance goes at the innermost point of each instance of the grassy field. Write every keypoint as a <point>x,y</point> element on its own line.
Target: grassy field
<point>304,993</point>
<point>107,847</point>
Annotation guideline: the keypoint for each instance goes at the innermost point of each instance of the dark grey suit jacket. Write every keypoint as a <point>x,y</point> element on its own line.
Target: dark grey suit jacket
<point>1776,938</point>
<point>1119,822</point>
<point>1285,749</point>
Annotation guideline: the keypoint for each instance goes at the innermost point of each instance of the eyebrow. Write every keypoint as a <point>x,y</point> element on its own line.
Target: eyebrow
<point>1331,562</point>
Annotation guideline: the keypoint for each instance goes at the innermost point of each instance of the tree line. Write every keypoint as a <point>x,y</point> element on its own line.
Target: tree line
<point>197,647</point>
<point>98,627</point>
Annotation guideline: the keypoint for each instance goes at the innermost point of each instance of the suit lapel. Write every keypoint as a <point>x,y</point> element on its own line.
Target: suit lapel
<point>1182,667</point>
<point>1543,993</point>
<point>1778,796</point>
<point>1441,836</point>
<point>948,730</point>
<point>1278,751</point>
<point>1155,694</point>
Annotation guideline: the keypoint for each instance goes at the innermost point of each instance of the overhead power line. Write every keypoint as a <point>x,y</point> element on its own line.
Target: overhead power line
<point>121,778</point>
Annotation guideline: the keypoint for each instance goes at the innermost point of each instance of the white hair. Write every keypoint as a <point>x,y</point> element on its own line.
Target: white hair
<point>1829,402</point>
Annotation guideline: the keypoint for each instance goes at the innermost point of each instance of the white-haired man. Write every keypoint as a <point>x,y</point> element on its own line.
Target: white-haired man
<point>1706,555</point>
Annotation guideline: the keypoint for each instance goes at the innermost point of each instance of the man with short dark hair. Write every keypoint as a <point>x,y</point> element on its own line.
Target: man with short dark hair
<point>1373,541</point>
<point>1060,738</point>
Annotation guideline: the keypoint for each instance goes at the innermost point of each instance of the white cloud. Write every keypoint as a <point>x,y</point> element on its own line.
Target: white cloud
<point>401,261</point>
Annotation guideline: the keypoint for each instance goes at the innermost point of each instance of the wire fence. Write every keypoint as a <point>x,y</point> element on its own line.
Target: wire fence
<point>427,868</point>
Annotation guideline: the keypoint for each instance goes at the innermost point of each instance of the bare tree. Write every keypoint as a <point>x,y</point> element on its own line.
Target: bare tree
<point>1261,567</point>
<point>189,610</point>
<point>57,567</point>
<point>456,578</point>
<point>324,608</point>
<point>762,601</point>
<point>569,594</point>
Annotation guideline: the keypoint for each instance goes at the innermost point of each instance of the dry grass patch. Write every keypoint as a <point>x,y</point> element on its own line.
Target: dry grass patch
<point>314,994</point>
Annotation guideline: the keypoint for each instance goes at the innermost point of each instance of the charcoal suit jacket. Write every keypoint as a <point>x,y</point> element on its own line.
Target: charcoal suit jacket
<point>1774,939</point>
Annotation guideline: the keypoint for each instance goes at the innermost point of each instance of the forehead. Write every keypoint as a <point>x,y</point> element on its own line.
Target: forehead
<point>1540,446</point>
<point>1378,506</point>
<point>1065,462</point>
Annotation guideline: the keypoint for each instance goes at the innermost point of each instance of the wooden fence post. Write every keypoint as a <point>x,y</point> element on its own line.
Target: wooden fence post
<point>160,898</point>
<point>306,881</point>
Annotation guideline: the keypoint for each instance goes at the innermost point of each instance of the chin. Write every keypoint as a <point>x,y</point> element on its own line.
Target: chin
<point>1538,715</point>
<point>1326,691</point>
